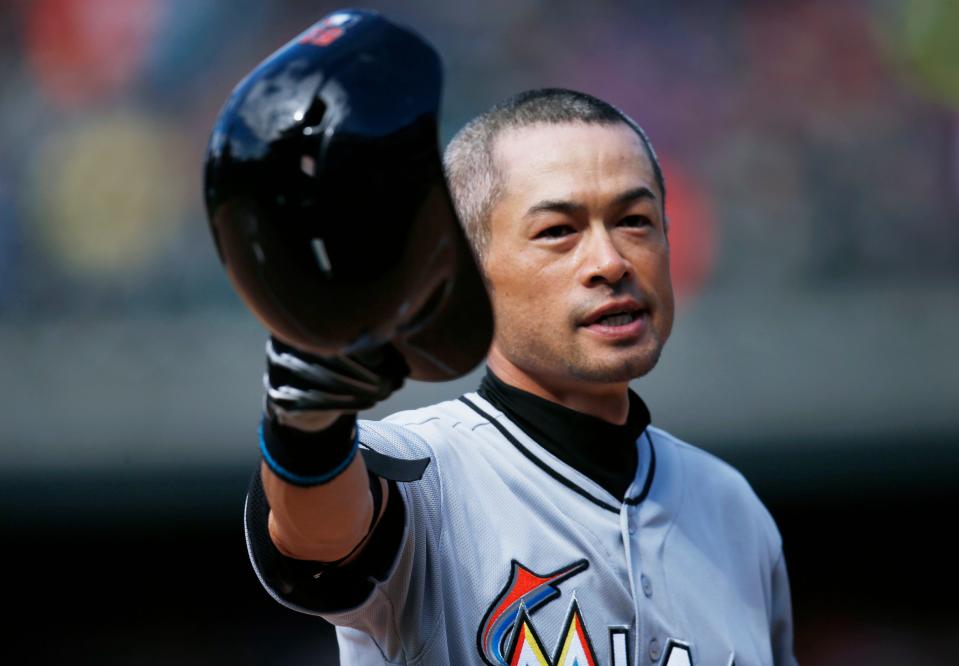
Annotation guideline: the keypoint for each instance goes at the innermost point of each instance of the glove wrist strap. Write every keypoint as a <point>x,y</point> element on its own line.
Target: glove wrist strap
<point>309,458</point>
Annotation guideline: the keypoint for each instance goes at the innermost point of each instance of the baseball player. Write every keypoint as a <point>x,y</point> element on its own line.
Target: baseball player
<point>542,519</point>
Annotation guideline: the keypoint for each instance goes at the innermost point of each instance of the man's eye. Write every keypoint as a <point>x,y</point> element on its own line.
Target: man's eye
<point>557,231</point>
<point>636,221</point>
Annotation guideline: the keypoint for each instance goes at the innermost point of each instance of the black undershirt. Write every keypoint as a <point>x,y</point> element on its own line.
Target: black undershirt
<point>603,451</point>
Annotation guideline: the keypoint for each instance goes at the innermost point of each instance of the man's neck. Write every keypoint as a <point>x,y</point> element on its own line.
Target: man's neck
<point>609,402</point>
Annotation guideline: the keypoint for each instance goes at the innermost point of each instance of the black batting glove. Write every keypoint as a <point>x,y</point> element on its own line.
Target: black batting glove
<point>308,433</point>
<point>304,390</point>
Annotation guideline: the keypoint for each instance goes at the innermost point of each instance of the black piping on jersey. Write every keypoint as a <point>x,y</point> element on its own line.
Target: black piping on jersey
<point>633,501</point>
<point>559,477</point>
<point>570,435</point>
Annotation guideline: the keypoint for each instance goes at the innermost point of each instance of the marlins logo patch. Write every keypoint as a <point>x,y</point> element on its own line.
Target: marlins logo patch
<point>525,592</point>
<point>574,647</point>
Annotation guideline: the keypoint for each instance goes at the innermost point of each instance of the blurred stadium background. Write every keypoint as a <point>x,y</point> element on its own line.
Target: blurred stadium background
<point>812,151</point>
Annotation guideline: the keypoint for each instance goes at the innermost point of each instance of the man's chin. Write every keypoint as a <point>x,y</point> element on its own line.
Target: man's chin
<point>617,369</point>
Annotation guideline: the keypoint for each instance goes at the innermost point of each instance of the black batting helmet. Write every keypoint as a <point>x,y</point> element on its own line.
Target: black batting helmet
<point>327,202</point>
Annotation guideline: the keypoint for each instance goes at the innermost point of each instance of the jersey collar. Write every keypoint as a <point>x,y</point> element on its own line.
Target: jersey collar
<point>603,451</point>
<point>560,469</point>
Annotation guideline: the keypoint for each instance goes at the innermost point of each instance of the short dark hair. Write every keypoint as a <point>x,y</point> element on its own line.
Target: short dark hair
<point>470,169</point>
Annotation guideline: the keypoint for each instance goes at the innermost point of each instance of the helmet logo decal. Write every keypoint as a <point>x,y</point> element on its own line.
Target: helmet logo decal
<point>329,29</point>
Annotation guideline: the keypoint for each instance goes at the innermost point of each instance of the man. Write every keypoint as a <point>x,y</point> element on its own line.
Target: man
<point>551,523</point>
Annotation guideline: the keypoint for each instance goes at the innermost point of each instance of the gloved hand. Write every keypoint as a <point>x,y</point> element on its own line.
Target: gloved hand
<point>308,433</point>
<point>308,392</point>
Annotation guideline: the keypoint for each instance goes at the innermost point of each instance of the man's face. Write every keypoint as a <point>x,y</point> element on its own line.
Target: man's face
<point>578,236</point>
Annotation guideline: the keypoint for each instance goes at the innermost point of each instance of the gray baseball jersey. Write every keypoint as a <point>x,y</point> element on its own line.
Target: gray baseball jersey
<point>510,556</point>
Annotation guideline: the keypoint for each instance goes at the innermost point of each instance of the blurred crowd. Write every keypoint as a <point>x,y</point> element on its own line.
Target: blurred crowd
<point>808,144</point>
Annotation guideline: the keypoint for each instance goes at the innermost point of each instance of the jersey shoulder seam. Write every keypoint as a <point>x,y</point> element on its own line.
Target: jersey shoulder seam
<point>669,440</point>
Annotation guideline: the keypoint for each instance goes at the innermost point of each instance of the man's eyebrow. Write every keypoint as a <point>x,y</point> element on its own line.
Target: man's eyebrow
<point>569,207</point>
<point>554,206</point>
<point>634,194</point>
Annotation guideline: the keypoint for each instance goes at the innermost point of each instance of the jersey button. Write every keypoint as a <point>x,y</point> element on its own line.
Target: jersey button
<point>654,649</point>
<point>647,585</point>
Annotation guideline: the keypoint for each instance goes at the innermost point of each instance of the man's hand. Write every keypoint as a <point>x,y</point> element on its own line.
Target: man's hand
<point>309,392</point>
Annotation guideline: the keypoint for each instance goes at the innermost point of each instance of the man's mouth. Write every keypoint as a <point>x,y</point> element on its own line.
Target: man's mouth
<point>617,319</point>
<point>620,312</point>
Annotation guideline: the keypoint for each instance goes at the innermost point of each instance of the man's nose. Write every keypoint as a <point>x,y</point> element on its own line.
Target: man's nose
<point>603,262</point>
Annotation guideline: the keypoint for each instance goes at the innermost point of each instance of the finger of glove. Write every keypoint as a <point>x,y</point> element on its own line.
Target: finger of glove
<point>293,398</point>
<point>305,421</point>
<point>296,381</point>
<point>287,366</point>
<point>386,361</point>
<point>368,365</point>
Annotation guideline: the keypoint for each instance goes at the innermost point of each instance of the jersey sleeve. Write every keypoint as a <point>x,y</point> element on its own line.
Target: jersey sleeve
<point>316,587</point>
<point>781,622</point>
<point>387,593</point>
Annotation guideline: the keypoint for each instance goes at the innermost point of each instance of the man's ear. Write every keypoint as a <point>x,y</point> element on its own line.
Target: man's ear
<point>666,226</point>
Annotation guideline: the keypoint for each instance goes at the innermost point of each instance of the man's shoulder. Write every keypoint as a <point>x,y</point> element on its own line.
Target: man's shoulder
<point>420,430</point>
<point>709,480</point>
<point>697,462</point>
<point>450,413</point>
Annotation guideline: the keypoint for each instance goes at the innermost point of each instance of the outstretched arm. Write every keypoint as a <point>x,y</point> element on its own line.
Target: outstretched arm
<point>323,501</point>
<point>328,522</point>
